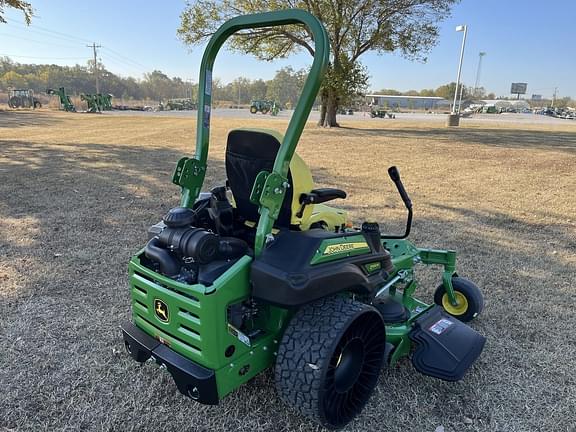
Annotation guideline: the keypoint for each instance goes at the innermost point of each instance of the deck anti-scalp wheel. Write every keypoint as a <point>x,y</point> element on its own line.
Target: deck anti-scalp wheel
<point>330,359</point>
<point>468,296</point>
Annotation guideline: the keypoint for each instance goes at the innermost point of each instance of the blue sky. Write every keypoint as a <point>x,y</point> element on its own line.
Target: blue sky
<point>529,41</point>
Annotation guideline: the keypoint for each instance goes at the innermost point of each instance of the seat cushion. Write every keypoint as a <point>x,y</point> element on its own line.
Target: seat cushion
<point>247,153</point>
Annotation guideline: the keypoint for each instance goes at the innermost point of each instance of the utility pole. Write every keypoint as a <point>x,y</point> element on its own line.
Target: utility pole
<point>238,95</point>
<point>480,55</point>
<point>94,47</point>
<point>554,96</point>
<point>189,87</point>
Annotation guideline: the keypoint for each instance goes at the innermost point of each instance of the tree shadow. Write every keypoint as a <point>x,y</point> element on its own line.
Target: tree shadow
<point>503,138</point>
<point>20,118</point>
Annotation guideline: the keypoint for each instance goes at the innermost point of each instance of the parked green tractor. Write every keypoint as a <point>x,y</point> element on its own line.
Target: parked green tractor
<point>185,104</point>
<point>22,98</point>
<point>345,111</point>
<point>105,101</point>
<point>264,106</point>
<point>97,102</point>
<point>260,273</point>
<point>65,101</point>
<point>381,113</point>
<point>275,109</point>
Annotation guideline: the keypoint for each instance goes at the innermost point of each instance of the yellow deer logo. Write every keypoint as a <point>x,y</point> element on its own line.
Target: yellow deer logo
<point>161,310</point>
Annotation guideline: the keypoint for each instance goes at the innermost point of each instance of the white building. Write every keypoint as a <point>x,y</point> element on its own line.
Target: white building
<point>407,102</point>
<point>503,104</point>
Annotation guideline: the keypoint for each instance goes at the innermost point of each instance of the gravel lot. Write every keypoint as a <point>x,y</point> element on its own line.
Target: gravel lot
<point>512,118</point>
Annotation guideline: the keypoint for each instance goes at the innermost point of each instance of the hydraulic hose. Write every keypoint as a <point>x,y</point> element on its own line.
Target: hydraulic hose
<point>231,247</point>
<point>154,251</point>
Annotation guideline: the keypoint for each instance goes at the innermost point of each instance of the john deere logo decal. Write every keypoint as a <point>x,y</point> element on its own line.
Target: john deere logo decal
<point>161,310</point>
<point>344,247</point>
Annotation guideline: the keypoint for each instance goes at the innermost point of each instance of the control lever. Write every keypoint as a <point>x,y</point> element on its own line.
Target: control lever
<point>395,177</point>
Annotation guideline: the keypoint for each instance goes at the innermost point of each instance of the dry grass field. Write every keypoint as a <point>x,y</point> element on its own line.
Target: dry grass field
<point>78,192</point>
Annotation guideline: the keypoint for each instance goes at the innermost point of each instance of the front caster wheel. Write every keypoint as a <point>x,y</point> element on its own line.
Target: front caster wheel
<point>330,359</point>
<point>468,296</point>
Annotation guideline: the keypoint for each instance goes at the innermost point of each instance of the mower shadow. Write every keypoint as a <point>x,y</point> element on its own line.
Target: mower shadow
<point>504,138</point>
<point>20,118</point>
<point>73,214</point>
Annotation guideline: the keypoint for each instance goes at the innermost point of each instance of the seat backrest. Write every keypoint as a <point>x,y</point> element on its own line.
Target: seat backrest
<point>249,151</point>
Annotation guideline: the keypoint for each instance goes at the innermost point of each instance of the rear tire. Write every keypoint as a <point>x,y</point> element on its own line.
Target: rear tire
<point>14,102</point>
<point>253,110</point>
<point>330,359</point>
<point>471,300</point>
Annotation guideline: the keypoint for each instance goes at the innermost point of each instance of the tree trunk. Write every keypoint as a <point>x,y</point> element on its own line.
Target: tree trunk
<point>328,109</point>
<point>322,112</point>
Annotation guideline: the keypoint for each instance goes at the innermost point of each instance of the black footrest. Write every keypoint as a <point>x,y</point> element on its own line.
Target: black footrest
<point>446,347</point>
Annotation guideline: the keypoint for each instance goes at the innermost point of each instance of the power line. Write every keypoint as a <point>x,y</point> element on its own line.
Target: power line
<point>117,54</point>
<point>70,38</point>
<point>49,35</point>
<point>54,32</point>
<point>124,65</point>
<point>118,59</point>
<point>37,41</point>
<point>45,58</point>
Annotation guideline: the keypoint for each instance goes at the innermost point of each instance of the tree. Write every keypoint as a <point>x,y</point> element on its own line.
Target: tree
<point>354,28</point>
<point>427,92</point>
<point>159,85</point>
<point>80,79</point>
<point>390,92</point>
<point>286,86</point>
<point>258,89</point>
<point>13,79</point>
<point>25,7</point>
<point>479,93</point>
<point>447,91</point>
<point>239,90</point>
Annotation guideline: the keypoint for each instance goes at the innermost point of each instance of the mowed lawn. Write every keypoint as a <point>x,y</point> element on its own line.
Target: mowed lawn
<point>78,191</point>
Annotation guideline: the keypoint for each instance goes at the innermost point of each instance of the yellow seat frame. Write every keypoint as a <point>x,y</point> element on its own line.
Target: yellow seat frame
<point>317,215</point>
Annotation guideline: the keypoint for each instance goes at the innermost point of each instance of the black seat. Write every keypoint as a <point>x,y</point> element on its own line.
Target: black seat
<point>247,153</point>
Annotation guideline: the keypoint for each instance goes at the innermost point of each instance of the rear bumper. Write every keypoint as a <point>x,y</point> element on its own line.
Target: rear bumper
<point>192,380</point>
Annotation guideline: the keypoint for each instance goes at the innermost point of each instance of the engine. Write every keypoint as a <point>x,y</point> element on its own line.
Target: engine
<point>188,245</point>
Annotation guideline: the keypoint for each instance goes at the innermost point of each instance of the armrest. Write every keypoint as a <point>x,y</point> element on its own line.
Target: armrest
<point>321,195</point>
<point>318,196</point>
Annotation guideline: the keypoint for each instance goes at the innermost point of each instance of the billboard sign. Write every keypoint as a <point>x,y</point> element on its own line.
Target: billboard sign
<point>518,88</point>
<point>536,97</point>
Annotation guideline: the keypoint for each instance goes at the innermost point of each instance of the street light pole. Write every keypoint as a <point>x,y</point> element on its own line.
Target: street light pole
<point>480,55</point>
<point>460,28</point>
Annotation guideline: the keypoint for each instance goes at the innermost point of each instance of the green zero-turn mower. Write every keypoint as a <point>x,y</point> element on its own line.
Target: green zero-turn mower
<point>260,273</point>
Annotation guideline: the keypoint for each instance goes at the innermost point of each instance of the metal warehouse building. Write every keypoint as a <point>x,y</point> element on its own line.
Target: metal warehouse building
<point>409,102</point>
